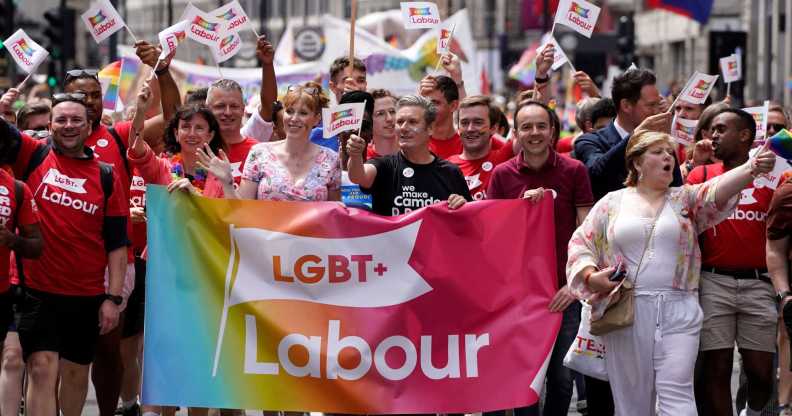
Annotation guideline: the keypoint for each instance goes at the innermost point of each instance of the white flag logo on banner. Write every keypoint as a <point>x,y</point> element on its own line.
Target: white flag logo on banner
<point>202,27</point>
<point>683,130</point>
<point>26,52</point>
<point>759,114</point>
<point>102,20</point>
<point>384,278</point>
<point>698,88</point>
<point>342,117</point>
<point>420,15</point>
<point>559,57</point>
<point>226,47</point>
<point>171,37</point>
<point>731,67</point>
<point>233,15</point>
<point>579,15</point>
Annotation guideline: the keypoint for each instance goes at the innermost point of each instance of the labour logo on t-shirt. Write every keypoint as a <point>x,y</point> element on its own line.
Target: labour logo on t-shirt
<point>62,195</point>
<point>5,206</point>
<point>102,142</point>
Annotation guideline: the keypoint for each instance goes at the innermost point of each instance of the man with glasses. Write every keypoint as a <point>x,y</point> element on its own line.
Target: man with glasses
<point>83,213</point>
<point>777,119</point>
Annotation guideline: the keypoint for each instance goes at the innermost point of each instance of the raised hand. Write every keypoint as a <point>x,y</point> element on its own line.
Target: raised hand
<point>220,167</point>
<point>8,99</point>
<point>586,84</point>
<point>355,145</point>
<point>764,160</point>
<point>544,61</point>
<point>265,52</point>
<point>148,53</point>
<point>452,65</point>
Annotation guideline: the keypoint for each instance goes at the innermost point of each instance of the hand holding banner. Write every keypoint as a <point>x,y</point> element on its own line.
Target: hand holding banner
<point>420,15</point>
<point>102,20</point>
<point>579,15</point>
<point>343,117</point>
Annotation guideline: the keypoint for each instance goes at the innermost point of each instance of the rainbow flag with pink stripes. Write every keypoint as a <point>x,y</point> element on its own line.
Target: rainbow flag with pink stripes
<point>121,74</point>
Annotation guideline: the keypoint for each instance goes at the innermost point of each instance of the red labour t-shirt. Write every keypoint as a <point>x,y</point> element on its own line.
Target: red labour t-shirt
<point>26,214</point>
<point>237,155</point>
<point>478,172</point>
<point>106,150</point>
<point>444,149</point>
<point>568,181</point>
<point>739,241</point>
<point>71,204</point>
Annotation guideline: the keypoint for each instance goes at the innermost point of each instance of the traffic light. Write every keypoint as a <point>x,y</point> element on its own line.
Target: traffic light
<point>625,32</point>
<point>60,33</point>
<point>7,18</point>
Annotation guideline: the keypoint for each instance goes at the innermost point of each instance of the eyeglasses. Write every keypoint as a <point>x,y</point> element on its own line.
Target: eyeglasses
<point>299,88</point>
<point>775,127</point>
<point>77,97</point>
<point>82,73</point>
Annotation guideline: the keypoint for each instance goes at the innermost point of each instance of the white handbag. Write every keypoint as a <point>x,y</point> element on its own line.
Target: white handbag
<point>586,355</point>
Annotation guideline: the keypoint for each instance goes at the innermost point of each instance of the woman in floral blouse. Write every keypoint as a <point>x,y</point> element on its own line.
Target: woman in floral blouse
<point>651,230</point>
<point>293,169</point>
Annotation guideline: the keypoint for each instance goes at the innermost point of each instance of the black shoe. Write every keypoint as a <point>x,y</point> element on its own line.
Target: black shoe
<point>132,411</point>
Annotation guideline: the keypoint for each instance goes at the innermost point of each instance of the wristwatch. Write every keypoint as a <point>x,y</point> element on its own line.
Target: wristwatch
<point>542,80</point>
<point>780,296</point>
<point>118,300</point>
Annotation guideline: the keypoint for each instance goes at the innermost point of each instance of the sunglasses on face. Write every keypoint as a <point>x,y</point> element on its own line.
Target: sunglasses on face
<point>775,127</point>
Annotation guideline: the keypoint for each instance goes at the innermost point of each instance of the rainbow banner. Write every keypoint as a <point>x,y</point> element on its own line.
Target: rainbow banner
<point>524,70</point>
<point>311,306</point>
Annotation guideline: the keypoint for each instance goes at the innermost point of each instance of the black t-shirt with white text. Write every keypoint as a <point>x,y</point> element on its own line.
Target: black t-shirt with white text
<point>402,186</point>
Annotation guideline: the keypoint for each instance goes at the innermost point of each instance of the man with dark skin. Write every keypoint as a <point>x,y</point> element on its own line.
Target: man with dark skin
<point>736,295</point>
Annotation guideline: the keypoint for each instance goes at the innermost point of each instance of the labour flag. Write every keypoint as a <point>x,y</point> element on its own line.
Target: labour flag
<point>698,88</point>
<point>579,15</point>
<point>698,10</point>
<point>26,52</point>
<point>102,20</point>
<point>343,117</point>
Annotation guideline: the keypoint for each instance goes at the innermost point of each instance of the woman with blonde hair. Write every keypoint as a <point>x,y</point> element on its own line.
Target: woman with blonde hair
<point>650,230</point>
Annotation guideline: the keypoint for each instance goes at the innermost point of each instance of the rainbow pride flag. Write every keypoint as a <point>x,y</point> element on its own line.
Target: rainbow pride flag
<point>781,144</point>
<point>311,305</point>
<point>525,69</point>
<point>122,74</point>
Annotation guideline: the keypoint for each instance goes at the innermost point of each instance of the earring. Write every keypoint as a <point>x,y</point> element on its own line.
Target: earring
<point>640,176</point>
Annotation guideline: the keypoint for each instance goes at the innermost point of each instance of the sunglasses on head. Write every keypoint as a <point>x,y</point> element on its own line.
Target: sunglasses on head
<point>299,88</point>
<point>77,97</point>
<point>82,73</point>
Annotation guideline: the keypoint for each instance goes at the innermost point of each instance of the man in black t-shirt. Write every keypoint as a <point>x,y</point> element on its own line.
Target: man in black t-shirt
<point>414,177</point>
